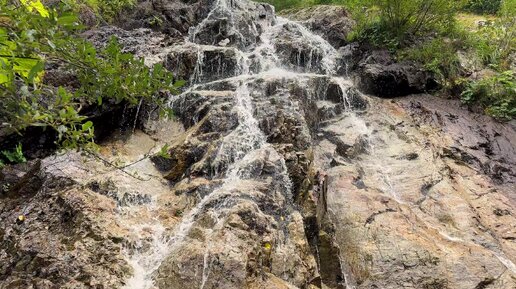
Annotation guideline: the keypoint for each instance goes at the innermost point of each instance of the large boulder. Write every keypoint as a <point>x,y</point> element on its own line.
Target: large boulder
<point>376,72</point>
<point>397,79</point>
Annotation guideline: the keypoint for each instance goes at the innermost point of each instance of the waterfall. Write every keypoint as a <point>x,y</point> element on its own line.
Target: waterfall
<point>246,142</point>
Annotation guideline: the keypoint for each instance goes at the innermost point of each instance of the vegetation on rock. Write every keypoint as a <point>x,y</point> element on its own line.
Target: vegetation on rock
<point>14,156</point>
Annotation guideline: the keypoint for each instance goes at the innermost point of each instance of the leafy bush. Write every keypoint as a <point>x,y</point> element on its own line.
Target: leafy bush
<point>394,22</point>
<point>439,56</point>
<point>31,35</point>
<point>497,94</point>
<point>107,10</point>
<point>483,6</point>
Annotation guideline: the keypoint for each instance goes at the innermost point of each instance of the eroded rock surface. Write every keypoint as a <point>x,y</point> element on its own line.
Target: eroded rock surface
<point>417,206</point>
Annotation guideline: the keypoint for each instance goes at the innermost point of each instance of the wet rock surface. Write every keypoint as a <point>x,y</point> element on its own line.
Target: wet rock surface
<point>334,23</point>
<point>408,214</point>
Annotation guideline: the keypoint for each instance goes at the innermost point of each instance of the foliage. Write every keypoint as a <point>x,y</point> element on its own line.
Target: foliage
<point>395,23</point>
<point>496,93</point>
<point>489,46</point>
<point>438,56</point>
<point>164,152</point>
<point>106,10</point>
<point>14,156</point>
<point>110,9</point>
<point>496,42</point>
<point>483,6</point>
<point>32,37</point>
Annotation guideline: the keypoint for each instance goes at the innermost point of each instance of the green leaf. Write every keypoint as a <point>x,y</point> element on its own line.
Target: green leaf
<point>67,20</point>
<point>4,78</point>
<point>87,125</point>
<point>24,66</point>
<point>36,72</point>
<point>179,83</point>
<point>64,96</point>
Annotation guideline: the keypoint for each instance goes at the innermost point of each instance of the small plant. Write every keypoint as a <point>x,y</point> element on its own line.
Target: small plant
<point>107,10</point>
<point>14,156</point>
<point>164,152</point>
<point>6,187</point>
<point>497,94</point>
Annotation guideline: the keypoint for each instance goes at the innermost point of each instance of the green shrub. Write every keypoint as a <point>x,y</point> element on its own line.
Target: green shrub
<point>483,6</point>
<point>30,35</point>
<point>287,4</point>
<point>395,23</point>
<point>497,94</point>
<point>439,56</point>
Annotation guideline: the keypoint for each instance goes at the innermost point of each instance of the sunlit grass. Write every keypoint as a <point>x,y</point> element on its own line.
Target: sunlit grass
<point>470,21</point>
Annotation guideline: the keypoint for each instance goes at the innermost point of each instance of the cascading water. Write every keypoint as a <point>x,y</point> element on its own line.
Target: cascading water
<point>239,147</point>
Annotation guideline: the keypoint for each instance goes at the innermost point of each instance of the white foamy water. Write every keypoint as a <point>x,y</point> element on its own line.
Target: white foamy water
<point>240,147</point>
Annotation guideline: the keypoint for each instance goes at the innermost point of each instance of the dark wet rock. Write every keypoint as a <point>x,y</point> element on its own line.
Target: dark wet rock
<point>478,141</point>
<point>124,199</point>
<point>170,17</point>
<point>331,270</point>
<point>234,23</point>
<point>376,72</point>
<point>394,79</point>
<point>333,23</point>
<point>141,41</point>
<point>203,64</point>
<point>349,96</point>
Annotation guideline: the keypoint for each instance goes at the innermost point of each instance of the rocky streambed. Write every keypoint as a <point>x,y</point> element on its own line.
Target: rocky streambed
<point>277,171</point>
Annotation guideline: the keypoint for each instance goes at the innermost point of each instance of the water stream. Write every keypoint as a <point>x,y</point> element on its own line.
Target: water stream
<point>238,148</point>
<point>246,142</point>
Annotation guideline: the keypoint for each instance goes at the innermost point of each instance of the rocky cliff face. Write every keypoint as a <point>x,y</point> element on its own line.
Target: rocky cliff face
<point>277,173</point>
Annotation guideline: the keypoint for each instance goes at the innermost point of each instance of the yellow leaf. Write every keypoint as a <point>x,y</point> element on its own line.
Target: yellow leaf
<point>4,78</point>
<point>36,5</point>
<point>21,218</point>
